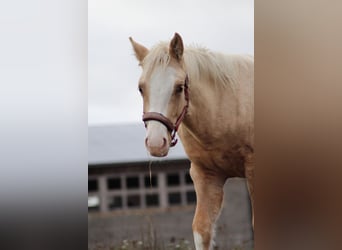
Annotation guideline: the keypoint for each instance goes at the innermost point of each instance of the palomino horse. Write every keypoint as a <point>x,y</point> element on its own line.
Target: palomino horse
<point>209,98</point>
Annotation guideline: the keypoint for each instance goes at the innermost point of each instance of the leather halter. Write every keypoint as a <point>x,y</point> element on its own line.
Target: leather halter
<point>172,128</point>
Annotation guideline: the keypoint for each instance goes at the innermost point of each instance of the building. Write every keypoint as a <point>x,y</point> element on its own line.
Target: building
<point>125,201</point>
<point>123,177</point>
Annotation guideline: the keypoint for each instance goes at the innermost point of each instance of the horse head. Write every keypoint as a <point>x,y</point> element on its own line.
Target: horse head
<point>163,86</point>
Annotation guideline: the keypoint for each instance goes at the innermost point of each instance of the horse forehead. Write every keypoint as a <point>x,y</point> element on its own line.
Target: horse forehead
<point>165,71</point>
<point>150,69</point>
<point>162,76</point>
<point>160,88</point>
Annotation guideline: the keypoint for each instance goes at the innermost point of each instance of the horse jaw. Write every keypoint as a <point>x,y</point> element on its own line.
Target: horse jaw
<point>157,140</point>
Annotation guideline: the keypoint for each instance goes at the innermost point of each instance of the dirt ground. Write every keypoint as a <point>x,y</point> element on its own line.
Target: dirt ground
<point>233,228</point>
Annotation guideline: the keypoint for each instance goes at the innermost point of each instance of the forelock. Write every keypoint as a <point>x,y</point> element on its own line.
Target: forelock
<point>157,56</point>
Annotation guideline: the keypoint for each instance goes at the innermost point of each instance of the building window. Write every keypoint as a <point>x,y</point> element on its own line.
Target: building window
<point>151,182</point>
<point>115,202</point>
<point>188,179</point>
<point>133,201</point>
<point>173,179</point>
<point>132,182</point>
<point>136,190</point>
<point>190,197</point>
<point>175,199</point>
<point>93,203</point>
<point>152,200</point>
<point>93,185</point>
<point>114,183</point>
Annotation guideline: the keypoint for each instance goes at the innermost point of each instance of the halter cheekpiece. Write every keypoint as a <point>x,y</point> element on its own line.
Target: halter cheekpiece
<point>172,128</point>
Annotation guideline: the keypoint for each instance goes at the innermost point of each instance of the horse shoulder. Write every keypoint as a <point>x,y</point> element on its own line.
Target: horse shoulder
<point>223,157</point>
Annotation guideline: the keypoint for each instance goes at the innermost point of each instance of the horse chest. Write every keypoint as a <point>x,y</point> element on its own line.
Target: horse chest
<point>227,161</point>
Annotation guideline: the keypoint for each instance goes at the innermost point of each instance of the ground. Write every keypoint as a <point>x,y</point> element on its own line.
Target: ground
<point>167,229</point>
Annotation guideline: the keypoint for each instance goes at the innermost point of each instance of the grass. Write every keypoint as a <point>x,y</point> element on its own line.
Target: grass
<point>150,240</point>
<point>181,244</point>
<point>140,245</point>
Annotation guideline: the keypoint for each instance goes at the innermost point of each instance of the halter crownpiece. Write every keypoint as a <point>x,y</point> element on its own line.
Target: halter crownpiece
<point>172,128</point>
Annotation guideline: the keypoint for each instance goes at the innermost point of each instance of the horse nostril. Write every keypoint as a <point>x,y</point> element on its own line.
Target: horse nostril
<point>146,141</point>
<point>164,142</point>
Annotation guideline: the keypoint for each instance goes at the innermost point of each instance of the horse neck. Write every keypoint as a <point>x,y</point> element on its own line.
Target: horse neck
<point>221,112</point>
<point>207,117</point>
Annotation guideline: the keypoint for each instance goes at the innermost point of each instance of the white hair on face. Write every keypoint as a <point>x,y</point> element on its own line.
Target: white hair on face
<point>161,88</point>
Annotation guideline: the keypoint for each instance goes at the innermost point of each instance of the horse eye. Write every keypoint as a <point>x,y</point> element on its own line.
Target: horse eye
<point>179,89</point>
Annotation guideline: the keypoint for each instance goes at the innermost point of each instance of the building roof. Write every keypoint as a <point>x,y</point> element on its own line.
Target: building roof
<point>123,144</point>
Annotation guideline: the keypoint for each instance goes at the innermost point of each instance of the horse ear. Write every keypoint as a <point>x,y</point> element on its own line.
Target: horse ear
<point>139,50</point>
<point>176,47</point>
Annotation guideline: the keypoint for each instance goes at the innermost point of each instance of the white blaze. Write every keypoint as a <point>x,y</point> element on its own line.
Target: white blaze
<point>161,88</point>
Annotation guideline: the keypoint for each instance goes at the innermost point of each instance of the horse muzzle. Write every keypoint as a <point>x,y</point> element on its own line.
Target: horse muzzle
<point>157,139</point>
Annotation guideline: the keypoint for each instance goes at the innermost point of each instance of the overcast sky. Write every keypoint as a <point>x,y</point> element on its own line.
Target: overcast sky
<point>113,72</point>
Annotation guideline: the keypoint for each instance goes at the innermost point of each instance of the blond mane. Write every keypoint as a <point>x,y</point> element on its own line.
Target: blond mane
<point>200,63</point>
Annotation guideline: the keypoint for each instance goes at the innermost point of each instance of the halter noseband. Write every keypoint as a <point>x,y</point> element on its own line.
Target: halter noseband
<point>172,128</point>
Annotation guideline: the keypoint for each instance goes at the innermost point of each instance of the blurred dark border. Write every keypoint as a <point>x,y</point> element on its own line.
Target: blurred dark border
<point>43,128</point>
<point>298,95</point>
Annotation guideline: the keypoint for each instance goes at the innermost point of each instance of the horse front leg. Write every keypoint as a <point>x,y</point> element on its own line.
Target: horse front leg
<point>209,193</point>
